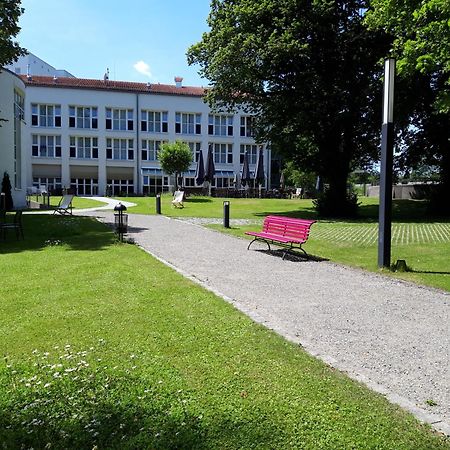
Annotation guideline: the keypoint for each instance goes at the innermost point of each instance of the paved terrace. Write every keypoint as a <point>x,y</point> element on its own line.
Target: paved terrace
<point>391,335</point>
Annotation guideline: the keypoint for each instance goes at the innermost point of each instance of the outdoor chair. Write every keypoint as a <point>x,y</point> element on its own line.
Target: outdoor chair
<point>15,225</point>
<point>65,206</point>
<point>178,198</point>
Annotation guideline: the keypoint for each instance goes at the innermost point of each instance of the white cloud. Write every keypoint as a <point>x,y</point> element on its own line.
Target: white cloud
<point>144,68</point>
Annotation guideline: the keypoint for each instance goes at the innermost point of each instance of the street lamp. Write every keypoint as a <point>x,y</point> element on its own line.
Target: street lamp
<point>387,146</point>
<point>120,220</point>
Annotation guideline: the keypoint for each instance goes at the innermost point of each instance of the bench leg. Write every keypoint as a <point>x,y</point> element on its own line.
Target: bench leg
<point>256,239</point>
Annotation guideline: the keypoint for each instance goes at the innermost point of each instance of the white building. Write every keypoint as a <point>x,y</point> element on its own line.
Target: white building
<point>30,64</point>
<point>88,134</point>
<point>13,157</point>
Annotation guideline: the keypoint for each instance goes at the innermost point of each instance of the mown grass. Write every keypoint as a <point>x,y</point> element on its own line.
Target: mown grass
<point>104,346</point>
<point>77,203</point>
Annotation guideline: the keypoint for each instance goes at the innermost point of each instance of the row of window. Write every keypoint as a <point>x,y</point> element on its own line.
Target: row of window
<point>89,186</point>
<point>86,117</point>
<point>123,149</point>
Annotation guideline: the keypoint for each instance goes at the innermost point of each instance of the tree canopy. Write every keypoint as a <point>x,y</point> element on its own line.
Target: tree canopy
<point>175,158</point>
<point>308,70</point>
<point>421,31</point>
<point>10,12</point>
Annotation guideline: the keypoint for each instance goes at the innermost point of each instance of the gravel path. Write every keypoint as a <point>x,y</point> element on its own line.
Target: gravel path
<point>389,334</point>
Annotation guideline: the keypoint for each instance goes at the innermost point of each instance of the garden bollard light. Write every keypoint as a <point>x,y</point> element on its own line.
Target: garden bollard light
<point>226,214</point>
<point>158,203</point>
<point>120,220</point>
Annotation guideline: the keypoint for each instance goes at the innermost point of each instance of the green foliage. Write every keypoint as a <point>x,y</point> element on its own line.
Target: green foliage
<point>6,189</point>
<point>10,12</point>
<point>421,31</point>
<point>308,70</point>
<point>296,177</point>
<point>327,205</point>
<point>175,157</point>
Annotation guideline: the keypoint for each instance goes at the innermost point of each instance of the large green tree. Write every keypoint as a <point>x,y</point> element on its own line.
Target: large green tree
<point>421,44</point>
<point>308,70</point>
<point>10,12</point>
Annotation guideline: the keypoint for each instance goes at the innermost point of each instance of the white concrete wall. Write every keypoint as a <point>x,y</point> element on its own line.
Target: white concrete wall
<point>8,83</point>
<point>103,99</point>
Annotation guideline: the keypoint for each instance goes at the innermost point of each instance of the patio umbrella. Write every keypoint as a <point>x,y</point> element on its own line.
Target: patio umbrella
<point>245,177</point>
<point>259,171</point>
<point>200,170</point>
<point>210,169</point>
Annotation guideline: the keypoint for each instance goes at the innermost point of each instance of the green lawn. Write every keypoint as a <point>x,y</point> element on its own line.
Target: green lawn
<point>77,203</point>
<point>424,242</point>
<point>104,346</point>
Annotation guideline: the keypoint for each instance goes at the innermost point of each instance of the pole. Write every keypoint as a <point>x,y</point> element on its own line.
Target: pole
<point>387,146</point>
<point>158,203</point>
<point>226,214</point>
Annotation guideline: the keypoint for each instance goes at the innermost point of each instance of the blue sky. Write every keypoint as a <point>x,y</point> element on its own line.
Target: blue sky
<point>139,40</point>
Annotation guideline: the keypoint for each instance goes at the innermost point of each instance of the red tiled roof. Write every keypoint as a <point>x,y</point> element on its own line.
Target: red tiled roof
<point>109,85</point>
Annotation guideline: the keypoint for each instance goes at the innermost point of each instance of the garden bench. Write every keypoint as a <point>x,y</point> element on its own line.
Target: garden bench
<point>284,231</point>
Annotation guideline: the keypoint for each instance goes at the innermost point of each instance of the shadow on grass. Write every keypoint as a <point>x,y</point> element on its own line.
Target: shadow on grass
<point>42,230</point>
<point>198,200</point>
<point>430,272</point>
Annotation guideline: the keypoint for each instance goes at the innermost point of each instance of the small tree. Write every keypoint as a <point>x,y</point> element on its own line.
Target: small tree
<point>6,189</point>
<point>175,158</point>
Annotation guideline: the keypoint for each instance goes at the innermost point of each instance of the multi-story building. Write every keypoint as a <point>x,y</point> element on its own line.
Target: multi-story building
<point>90,135</point>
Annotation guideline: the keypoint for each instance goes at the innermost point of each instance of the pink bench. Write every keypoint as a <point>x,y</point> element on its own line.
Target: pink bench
<point>284,231</point>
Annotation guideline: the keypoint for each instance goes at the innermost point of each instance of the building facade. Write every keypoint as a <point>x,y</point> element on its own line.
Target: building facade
<point>101,136</point>
<point>13,134</point>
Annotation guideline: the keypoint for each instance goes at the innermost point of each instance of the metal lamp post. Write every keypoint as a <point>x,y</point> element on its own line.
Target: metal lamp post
<point>387,146</point>
<point>120,220</point>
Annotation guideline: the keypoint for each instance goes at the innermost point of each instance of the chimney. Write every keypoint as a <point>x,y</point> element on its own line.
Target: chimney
<point>149,85</point>
<point>106,76</point>
<point>29,77</point>
<point>178,82</point>
<point>55,79</point>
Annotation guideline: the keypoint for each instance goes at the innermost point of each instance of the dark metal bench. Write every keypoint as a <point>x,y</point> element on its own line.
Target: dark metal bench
<point>284,231</point>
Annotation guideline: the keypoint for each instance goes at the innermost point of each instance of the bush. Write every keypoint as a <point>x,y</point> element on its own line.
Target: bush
<point>328,204</point>
<point>6,189</point>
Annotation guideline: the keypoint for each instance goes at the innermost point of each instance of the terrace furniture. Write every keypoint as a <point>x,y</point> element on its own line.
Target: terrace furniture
<point>283,231</point>
<point>15,225</point>
<point>178,197</point>
<point>64,206</point>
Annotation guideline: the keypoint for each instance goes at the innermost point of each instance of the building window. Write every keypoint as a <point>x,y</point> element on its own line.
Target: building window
<point>222,182</point>
<point>252,153</point>
<point>188,123</point>
<point>150,149</point>
<point>120,187</point>
<point>223,153</point>
<point>46,146</point>
<point>83,117</point>
<point>121,149</point>
<point>45,115</point>
<point>154,184</point>
<point>51,183</point>
<point>19,105</point>
<point>196,148</point>
<point>84,186</point>
<point>154,121</point>
<point>220,125</point>
<point>83,147</point>
<point>119,119</point>
<point>247,126</point>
